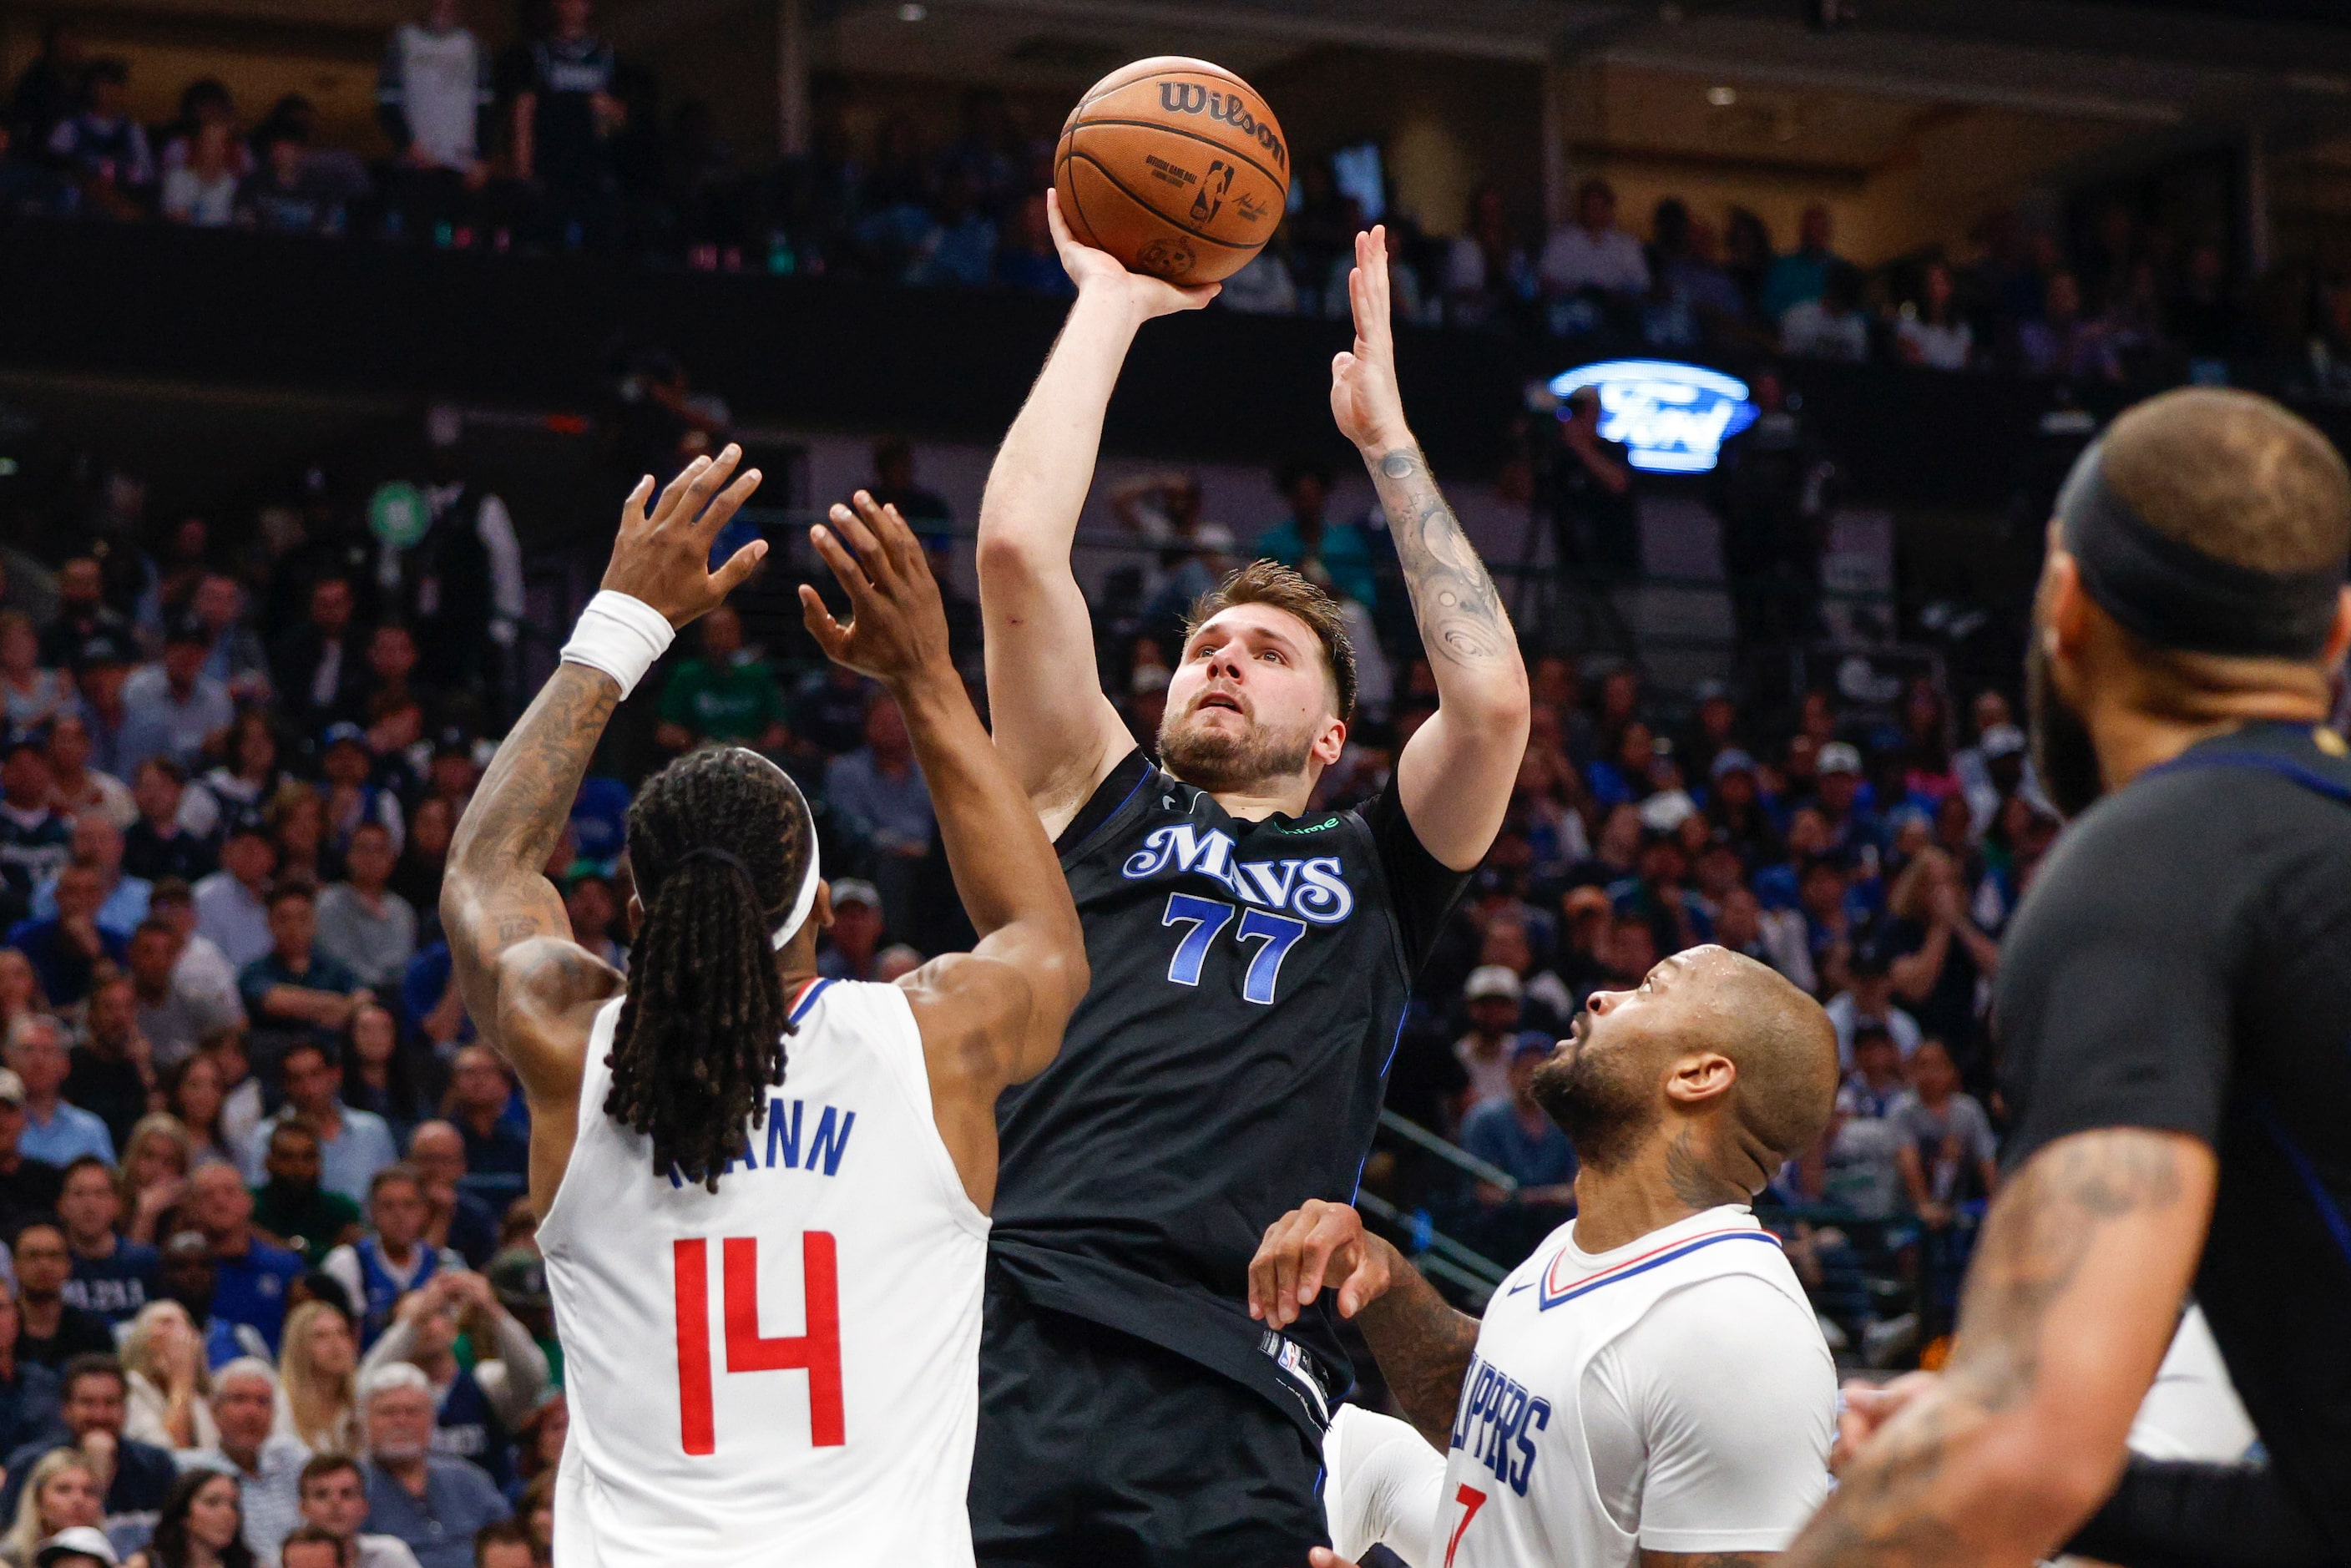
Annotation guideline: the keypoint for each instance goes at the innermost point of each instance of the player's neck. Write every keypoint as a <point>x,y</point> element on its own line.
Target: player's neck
<point>1287,797</point>
<point>1651,1188</point>
<point>2131,739</point>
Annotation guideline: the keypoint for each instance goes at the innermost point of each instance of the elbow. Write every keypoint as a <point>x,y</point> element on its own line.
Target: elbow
<point>1002,555</point>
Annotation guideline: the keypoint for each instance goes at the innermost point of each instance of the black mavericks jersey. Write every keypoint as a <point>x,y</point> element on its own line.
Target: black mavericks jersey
<point>2183,964</point>
<point>1250,981</point>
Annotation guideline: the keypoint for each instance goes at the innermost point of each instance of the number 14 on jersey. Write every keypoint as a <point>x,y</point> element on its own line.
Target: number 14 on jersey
<point>816,1351</point>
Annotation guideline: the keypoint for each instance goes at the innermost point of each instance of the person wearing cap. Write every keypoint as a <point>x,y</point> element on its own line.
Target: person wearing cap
<point>171,708</point>
<point>517,1274</point>
<point>1853,831</point>
<point>346,766</point>
<point>1494,997</point>
<point>1516,1134</point>
<point>1867,1001</point>
<point>231,912</point>
<point>1734,806</point>
<point>854,938</point>
<point>101,666</point>
<point>75,1546</point>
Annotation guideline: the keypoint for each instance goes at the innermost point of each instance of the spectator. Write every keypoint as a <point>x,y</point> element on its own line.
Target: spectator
<point>434,1504</point>
<point>726,694</point>
<point>67,946</point>
<point>416,876</point>
<point>1933,333</point>
<point>202,1525</point>
<point>353,1144</point>
<point>1516,1134</point>
<point>33,691</point>
<point>432,95</point>
<point>169,1385</point>
<point>297,821</point>
<point>83,741</point>
<point>250,1276</point>
<point>103,146</point>
<point>189,1279</point>
<point>350,802</point>
<point>1593,255</point>
<point>309,1546</point>
<point>266,1466</point>
<point>28,1187</point>
<point>381,1075</point>
<point>111,1278</point>
<point>318,672</point>
<point>82,613</point>
<point>243,784</point>
<point>455,1219</point>
<point>202,191</point>
<point>2062,342</point>
<point>231,911</point>
<point>1485,267</point>
<point>123,899</point>
<point>481,1105</point>
<point>174,709</point>
<point>45,95</point>
<point>1803,272</point>
<point>1335,556</point>
<point>1830,325</point>
<point>159,843</point>
<point>854,938</point>
<point>169,1014</point>
<point>1595,513</point>
<point>881,797</point>
<point>476,1408</point>
<point>284,196</point>
<point>1940,955</point>
<point>136,1476</point>
<point>506,1544</point>
<point>565,117</point>
<point>1494,997</point>
<point>394,1260</point>
<point>290,1206</point>
<point>55,1132</point>
<point>28,1390</point>
<point>112,1075</point>
<point>153,1179</point>
<point>595,913</point>
<point>321,1408</point>
<point>335,1502</point>
<point>61,1500</point>
<point>1862,1165</point>
<point>293,992</point>
<point>36,839</point>
<point>1948,1151</point>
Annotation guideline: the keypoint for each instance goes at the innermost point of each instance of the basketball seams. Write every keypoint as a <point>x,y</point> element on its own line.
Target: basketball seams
<point>1121,188</point>
<point>1173,130</point>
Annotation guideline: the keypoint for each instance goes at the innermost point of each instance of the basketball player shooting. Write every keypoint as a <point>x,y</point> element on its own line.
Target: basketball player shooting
<point>763,1195</point>
<point>1252,962</point>
<point>2173,1001</point>
<point>1651,1387</point>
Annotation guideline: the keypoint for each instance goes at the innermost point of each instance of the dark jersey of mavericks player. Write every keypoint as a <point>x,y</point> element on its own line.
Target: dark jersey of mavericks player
<point>2183,964</point>
<point>1249,980</point>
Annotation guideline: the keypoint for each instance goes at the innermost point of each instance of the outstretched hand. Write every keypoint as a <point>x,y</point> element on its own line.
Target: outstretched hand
<point>897,627</point>
<point>1092,269</point>
<point>1363,395</point>
<point>662,558</point>
<point>1319,1242</point>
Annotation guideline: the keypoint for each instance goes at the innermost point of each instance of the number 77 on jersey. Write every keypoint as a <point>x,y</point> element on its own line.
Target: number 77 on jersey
<point>816,1351</point>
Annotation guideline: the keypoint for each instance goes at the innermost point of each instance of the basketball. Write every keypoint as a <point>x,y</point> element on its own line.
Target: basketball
<point>1175,166</point>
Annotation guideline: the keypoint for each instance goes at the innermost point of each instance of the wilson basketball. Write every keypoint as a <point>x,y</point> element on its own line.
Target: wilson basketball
<point>1175,166</point>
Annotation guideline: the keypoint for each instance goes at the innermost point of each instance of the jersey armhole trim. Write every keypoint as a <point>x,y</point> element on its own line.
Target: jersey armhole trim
<point>594,1082</point>
<point>914,1080</point>
<point>1066,847</point>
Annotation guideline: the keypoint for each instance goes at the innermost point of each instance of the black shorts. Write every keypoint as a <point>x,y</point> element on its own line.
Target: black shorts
<point>1098,1449</point>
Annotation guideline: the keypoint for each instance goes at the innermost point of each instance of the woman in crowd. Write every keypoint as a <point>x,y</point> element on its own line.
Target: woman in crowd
<point>381,1076</point>
<point>201,1526</point>
<point>20,988</point>
<point>169,1388</point>
<point>318,1371</point>
<point>417,876</point>
<point>1933,333</point>
<point>196,1092</point>
<point>156,1159</point>
<point>61,1492</point>
<point>33,696</point>
<point>1941,954</point>
<point>297,819</point>
<point>249,776</point>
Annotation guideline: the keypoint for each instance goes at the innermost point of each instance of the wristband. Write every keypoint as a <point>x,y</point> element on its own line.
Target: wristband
<point>620,636</point>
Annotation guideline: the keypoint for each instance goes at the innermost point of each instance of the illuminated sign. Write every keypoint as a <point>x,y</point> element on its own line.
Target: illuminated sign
<point>1672,418</point>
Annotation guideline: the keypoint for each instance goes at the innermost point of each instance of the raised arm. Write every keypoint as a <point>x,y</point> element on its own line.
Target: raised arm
<point>2071,1300</point>
<point>530,988</point>
<point>1055,728</point>
<point>993,1016</point>
<point>1457,772</point>
<point>1423,1345</point>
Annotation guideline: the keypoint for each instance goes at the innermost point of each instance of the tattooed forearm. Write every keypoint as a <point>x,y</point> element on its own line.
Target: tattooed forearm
<point>496,894</point>
<point>1926,1491</point>
<point>1424,1348</point>
<point>1461,614</point>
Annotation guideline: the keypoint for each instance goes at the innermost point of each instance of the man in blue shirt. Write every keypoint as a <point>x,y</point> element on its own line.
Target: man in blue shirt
<point>28,1391</point>
<point>66,947</point>
<point>433,1504</point>
<point>497,1134</point>
<point>353,1144</point>
<point>94,1407</point>
<point>250,1277</point>
<point>55,1132</point>
<point>122,902</point>
<point>293,992</point>
<point>1519,1137</point>
<point>112,1278</point>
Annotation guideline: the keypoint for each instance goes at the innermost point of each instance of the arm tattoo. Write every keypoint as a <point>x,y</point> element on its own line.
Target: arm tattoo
<point>1914,1497</point>
<point>1424,1348</point>
<point>1454,599</point>
<point>496,894</point>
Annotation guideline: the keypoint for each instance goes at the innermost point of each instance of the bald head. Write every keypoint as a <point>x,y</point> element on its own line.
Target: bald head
<point>1784,1048</point>
<point>2234,475</point>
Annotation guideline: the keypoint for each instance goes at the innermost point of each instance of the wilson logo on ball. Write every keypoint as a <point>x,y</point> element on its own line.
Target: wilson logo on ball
<point>1191,98</point>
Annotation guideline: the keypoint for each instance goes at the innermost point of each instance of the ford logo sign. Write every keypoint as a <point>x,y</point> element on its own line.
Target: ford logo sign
<point>1672,418</point>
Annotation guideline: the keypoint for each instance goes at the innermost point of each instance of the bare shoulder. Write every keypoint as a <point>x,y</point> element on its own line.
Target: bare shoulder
<point>965,998</point>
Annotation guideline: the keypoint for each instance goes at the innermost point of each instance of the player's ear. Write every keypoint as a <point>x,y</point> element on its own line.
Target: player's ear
<point>822,915</point>
<point>1700,1078</point>
<point>1330,743</point>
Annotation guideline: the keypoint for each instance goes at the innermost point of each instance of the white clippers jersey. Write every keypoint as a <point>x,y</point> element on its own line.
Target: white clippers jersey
<point>785,1371</point>
<point>1674,1393</point>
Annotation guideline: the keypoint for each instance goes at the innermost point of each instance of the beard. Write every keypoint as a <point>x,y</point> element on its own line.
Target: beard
<point>1219,762</point>
<point>2063,756</point>
<point>1602,1109</point>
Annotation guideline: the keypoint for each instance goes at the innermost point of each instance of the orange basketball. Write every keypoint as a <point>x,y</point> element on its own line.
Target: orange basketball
<point>1175,166</point>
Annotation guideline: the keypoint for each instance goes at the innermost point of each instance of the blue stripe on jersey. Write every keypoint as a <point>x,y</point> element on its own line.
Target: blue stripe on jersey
<point>2329,1214</point>
<point>2308,778</point>
<point>1550,1300</point>
<point>807,1000</point>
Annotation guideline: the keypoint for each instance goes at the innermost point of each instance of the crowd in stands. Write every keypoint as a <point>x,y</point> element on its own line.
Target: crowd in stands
<point>560,142</point>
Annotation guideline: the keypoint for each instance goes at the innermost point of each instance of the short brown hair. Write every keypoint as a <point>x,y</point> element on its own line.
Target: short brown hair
<point>1269,582</point>
<point>317,1535</point>
<point>2235,476</point>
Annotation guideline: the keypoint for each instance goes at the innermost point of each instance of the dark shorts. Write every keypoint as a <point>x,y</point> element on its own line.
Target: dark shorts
<point>1101,1449</point>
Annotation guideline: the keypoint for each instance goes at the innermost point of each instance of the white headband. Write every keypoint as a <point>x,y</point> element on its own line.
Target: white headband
<point>805,899</point>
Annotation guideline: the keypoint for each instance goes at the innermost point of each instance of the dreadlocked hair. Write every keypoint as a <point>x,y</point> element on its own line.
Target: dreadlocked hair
<point>701,1034</point>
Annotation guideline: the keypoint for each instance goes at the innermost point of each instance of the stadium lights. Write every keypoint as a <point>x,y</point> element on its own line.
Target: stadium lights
<point>913,13</point>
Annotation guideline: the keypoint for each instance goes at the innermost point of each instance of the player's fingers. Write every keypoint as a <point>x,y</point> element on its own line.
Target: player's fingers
<point>889,527</point>
<point>1055,224</point>
<point>632,511</point>
<point>1365,1283</point>
<point>829,633</point>
<point>723,507</point>
<point>1326,1247</point>
<point>850,522</point>
<point>844,564</point>
<point>1199,293</point>
<point>674,492</point>
<point>708,484</point>
<point>739,565</point>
